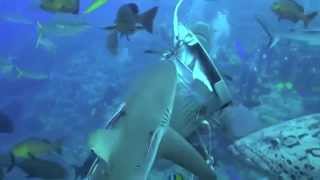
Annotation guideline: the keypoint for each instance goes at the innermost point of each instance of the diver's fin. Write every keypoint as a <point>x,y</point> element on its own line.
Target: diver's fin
<point>272,39</point>
<point>112,42</point>
<point>175,148</point>
<point>308,18</point>
<point>147,18</point>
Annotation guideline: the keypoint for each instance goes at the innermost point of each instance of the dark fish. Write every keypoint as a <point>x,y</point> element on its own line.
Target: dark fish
<point>127,22</point>
<point>292,11</point>
<point>63,6</point>
<point>6,124</point>
<point>39,168</point>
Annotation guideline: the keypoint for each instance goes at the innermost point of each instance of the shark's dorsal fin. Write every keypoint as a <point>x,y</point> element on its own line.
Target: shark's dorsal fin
<point>178,150</point>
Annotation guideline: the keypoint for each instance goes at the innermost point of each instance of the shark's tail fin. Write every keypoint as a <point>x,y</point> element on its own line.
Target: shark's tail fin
<point>39,34</point>
<point>147,18</point>
<point>308,18</point>
<point>272,39</point>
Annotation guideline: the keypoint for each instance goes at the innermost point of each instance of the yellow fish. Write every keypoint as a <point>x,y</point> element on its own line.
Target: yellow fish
<point>36,147</point>
<point>95,5</point>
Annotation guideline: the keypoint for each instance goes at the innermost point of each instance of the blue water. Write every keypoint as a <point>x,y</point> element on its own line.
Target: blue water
<point>84,77</point>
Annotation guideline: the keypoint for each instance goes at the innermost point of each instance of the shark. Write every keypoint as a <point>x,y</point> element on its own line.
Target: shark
<point>289,150</point>
<point>143,134</point>
<point>310,36</point>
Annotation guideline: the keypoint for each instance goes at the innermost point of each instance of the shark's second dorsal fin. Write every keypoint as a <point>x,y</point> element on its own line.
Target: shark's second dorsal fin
<point>178,150</point>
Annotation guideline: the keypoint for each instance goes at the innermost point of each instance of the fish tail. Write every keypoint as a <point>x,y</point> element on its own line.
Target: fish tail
<point>272,39</point>
<point>13,163</point>
<point>147,18</point>
<point>40,34</point>
<point>77,171</point>
<point>308,18</point>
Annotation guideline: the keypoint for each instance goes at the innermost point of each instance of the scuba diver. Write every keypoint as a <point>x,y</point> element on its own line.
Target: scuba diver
<point>197,80</point>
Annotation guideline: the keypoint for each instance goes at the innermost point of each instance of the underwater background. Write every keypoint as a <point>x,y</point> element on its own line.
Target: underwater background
<point>71,84</point>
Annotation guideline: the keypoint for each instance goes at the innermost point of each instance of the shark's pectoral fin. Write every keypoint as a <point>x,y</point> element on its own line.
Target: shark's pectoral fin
<point>176,149</point>
<point>104,142</point>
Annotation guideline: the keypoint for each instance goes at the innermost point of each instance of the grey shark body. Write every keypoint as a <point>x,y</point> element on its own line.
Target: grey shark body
<point>289,150</point>
<point>307,36</point>
<point>126,146</point>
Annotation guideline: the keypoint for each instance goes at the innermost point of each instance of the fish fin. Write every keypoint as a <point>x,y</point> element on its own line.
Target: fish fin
<point>272,39</point>
<point>308,18</point>
<point>127,37</point>
<point>109,28</point>
<point>13,162</point>
<point>77,9</point>
<point>279,18</point>
<point>20,72</point>
<point>134,8</point>
<point>153,51</point>
<point>147,18</point>
<point>112,42</point>
<point>39,34</point>
<point>59,145</point>
<point>139,27</point>
<point>87,166</point>
<point>77,171</point>
<point>175,148</point>
<point>31,156</point>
